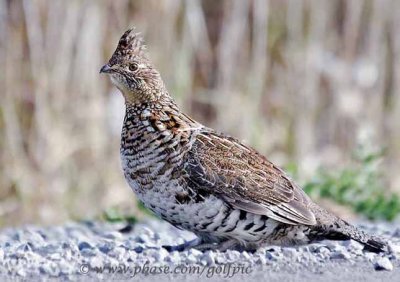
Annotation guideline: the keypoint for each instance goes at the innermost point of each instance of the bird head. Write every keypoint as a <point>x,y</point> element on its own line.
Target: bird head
<point>131,71</point>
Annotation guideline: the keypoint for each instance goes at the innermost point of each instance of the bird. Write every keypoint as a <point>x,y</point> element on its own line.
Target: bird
<point>198,179</point>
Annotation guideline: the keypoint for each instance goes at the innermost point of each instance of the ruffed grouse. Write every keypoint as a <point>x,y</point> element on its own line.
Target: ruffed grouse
<point>206,182</point>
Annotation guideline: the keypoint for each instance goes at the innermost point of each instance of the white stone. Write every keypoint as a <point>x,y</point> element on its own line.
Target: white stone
<point>113,235</point>
<point>245,255</point>
<point>209,258</point>
<point>341,255</point>
<point>66,268</point>
<point>370,256</point>
<point>323,251</point>
<point>195,252</point>
<point>161,254</point>
<point>117,252</point>
<point>289,252</point>
<point>396,233</point>
<point>232,255</point>
<point>353,245</point>
<point>96,262</point>
<point>261,260</point>
<point>143,238</point>
<point>394,248</point>
<point>54,256</point>
<point>21,272</point>
<point>383,263</point>
<point>191,259</point>
<point>173,257</point>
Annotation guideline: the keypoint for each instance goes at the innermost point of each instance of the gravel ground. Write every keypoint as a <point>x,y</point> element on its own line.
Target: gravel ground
<point>93,250</point>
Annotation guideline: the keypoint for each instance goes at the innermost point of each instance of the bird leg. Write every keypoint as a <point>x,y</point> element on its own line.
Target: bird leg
<point>222,247</point>
<point>185,246</point>
<point>200,245</point>
<point>228,244</point>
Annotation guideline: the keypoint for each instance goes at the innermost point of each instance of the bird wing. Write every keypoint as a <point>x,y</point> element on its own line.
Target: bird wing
<point>222,166</point>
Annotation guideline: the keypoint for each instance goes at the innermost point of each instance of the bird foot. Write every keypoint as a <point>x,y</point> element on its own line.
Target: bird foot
<point>184,246</point>
<point>198,244</point>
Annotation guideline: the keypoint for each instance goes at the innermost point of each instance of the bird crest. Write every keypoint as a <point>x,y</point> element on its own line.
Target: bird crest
<point>131,45</point>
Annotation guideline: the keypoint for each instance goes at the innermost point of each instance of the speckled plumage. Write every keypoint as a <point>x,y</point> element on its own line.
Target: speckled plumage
<point>204,181</point>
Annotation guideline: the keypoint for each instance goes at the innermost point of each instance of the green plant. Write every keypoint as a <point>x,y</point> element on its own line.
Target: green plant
<point>114,214</point>
<point>118,214</point>
<point>360,186</point>
<point>144,210</point>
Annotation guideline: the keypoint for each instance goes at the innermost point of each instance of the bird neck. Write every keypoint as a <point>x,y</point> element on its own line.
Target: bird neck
<point>152,95</point>
<point>150,104</point>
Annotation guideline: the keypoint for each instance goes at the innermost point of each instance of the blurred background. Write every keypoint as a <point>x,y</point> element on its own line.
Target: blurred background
<point>313,85</point>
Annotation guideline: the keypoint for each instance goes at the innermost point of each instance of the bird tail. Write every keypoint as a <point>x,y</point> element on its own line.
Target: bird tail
<point>338,229</point>
<point>342,230</point>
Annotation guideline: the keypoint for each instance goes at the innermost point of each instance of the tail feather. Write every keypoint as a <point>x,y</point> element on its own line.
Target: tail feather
<point>342,230</point>
<point>333,228</point>
<point>376,245</point>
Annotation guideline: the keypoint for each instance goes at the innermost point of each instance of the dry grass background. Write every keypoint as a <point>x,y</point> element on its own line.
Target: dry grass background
<point>302,81</point>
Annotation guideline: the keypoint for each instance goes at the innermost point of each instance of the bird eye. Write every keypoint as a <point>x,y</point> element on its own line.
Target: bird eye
<point>133,67</point>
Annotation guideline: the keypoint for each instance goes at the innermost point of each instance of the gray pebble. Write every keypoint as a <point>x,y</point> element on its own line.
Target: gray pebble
<point>370,256</point>
<point>113,235</point>
<point>290,252</point>
<point>37,237</point>
<point>48,249</point>
<point>50,269</point>
<point>334,246</point>
<point>353,245</point>
<point>160,255</point>
<point>84,245</point>
<point>323,250</point>
<point>394,248</point>
<point>271,256</point>
<point>340,255</point>
<point>60,250</point>
<point>54,256</point>
<point>139,249</point>
<point>232,255</point>
<point>96,261</point>
<point>245,255</point>
<point>396,233</point>
<point>106,247</point>
<point>261,260</point>
<point>117,252</point>
<point>148,232</point>
<point>88,252</point>
<point>143,238</point>
<point>195,252</point>
<point>131,256</point>
<point>25,247</point>
<point>173,257</point>
<point>21,272</point>
<point>261,251</point>
<point>66,268</point>
<point>191,259</point>
<point>208,258</point>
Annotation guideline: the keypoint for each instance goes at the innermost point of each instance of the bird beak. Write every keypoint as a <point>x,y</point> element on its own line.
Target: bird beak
<point>106,69</point>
